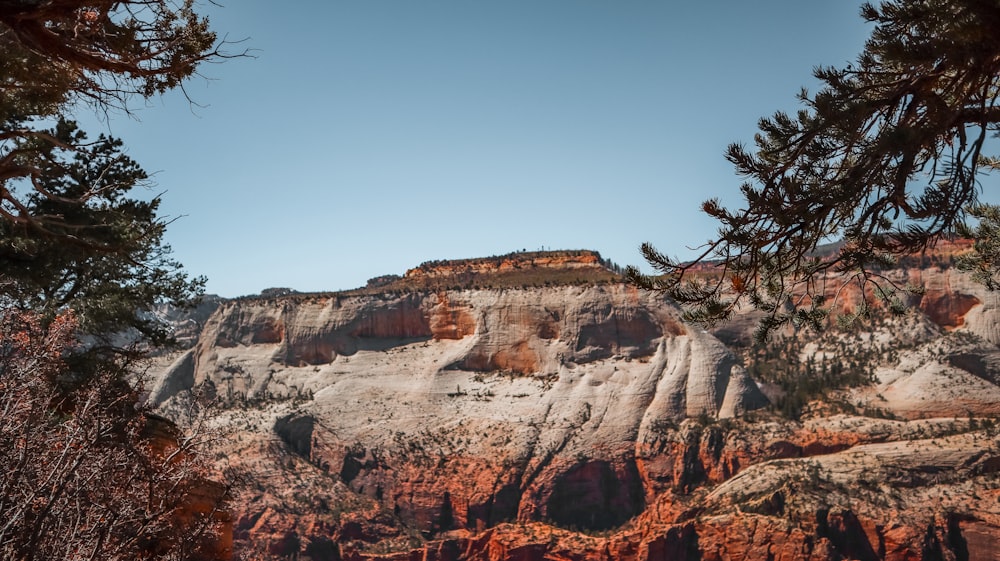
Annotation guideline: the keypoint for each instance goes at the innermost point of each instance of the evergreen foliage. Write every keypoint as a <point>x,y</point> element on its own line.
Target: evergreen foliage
<point>57,56</point>
<point>888,155</point>
<point>82,263</point>
<point>984,261</point>
<point>93,248</point>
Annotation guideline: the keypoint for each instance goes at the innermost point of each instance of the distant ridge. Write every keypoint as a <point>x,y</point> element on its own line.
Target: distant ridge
<point>519,269</point>
<point>942,253</point>
<point>511,270</point>
<point>559,259</point>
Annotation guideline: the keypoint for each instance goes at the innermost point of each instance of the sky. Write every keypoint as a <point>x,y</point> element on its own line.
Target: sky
<point>367,136</point>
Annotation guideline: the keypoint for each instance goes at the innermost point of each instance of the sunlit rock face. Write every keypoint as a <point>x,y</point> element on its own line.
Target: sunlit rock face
<point>587,421</point>
<point>529,401</point>
<point>420,341</point>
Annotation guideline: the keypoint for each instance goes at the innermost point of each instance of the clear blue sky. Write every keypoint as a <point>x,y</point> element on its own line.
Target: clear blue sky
<point>371,135</point>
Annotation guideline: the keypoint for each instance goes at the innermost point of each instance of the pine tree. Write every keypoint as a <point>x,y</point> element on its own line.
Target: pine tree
<point>57,56</point>
<point>93,247</point>
<point>82,262</point>
<point>887,156</point>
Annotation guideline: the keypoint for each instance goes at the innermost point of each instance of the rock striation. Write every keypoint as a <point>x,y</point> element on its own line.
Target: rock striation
<point>536,396</point>
<point>585,420</point>
<point>259,348</point>
<point>513,262</point>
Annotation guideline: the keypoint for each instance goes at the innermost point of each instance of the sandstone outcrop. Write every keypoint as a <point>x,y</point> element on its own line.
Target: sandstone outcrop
<point>557,260</point>
<point>252,348</point>
<point>587,421</point>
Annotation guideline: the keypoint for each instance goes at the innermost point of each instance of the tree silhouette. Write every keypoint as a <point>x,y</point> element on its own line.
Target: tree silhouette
<point>887,156</point>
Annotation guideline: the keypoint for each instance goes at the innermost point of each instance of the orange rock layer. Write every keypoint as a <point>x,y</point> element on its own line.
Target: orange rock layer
<point>645,505</point>
<point>563,260</point>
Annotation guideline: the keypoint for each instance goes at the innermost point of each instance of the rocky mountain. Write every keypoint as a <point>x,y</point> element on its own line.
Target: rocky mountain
<point>531,407</point>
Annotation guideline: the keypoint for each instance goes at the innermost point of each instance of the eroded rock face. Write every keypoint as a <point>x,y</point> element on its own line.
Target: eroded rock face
<point>949,298</point>
<point>596,495</point>
<point>588,422</point>
<point>256,347</point>
<point>531,398</point>
<point>553,260</point>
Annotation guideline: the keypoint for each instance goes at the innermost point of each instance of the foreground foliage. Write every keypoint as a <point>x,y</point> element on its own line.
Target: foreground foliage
<point>73,231</point>
<point>102,252</point>
<point>57,55</point>
<point>887,156</point>
<point>84,473</point>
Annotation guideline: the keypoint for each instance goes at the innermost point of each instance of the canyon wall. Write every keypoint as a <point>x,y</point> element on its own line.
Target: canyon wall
<point>589,422</point>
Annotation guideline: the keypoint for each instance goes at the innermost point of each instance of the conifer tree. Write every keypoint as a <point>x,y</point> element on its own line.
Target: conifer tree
<point>887,157</point>
<point>92,246</point>
<point>82,261</point>
<point>73,232</point>
<point>57,56</point>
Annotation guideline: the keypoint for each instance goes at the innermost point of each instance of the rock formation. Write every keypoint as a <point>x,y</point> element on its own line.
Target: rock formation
<point>587,421</point>
<point>513,262</point>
